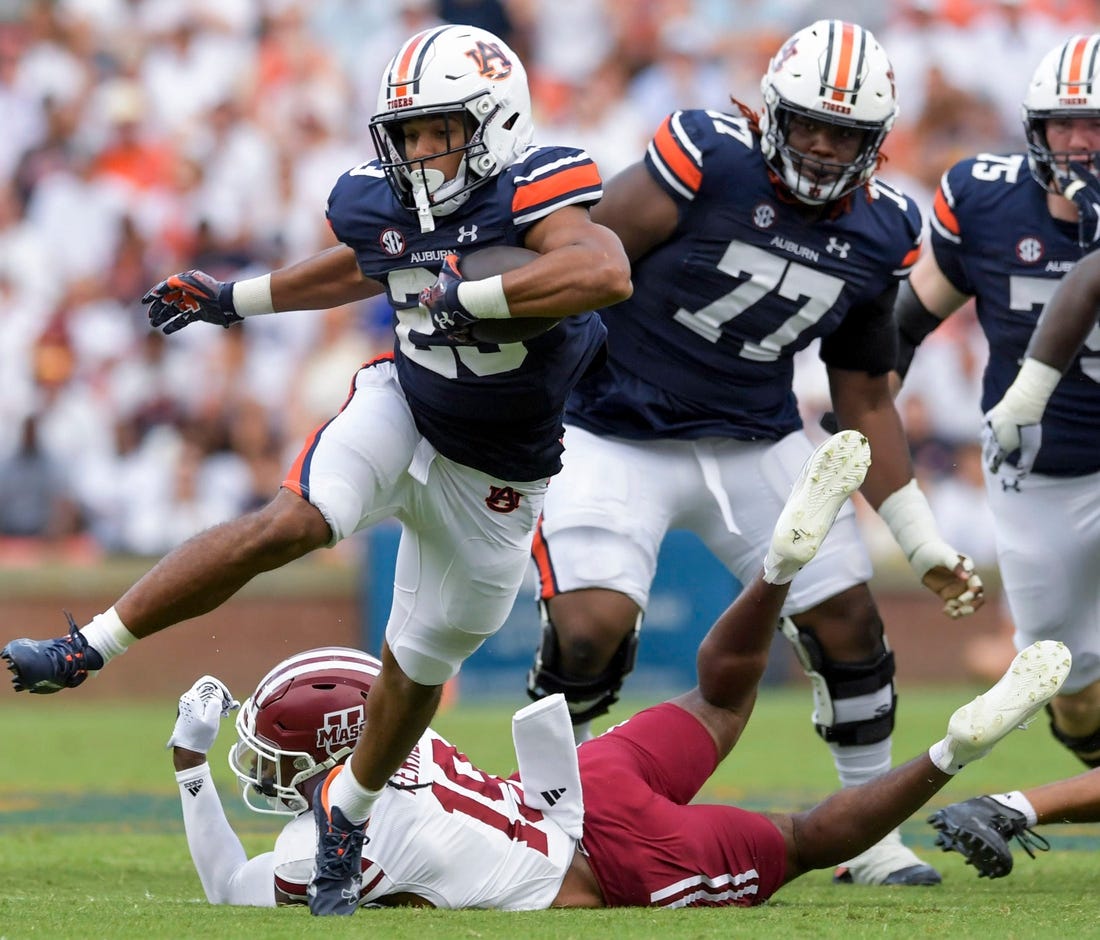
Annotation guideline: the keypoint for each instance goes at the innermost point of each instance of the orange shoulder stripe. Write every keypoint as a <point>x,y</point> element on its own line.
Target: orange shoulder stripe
<point>944,214</point>
<point>582,176</point>
<point>675,159</point>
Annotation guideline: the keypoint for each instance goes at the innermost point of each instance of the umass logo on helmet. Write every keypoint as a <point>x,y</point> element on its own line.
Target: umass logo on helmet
<point>341,728</point>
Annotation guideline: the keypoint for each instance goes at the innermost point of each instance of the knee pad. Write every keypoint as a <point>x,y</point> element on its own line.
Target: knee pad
<point>586,698</point>
<point>1085,748</point>
<point>854,703</point>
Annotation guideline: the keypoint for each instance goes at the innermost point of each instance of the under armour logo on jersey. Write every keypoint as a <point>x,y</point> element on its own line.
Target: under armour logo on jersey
<point>193,786</point>
<point>552,796</point>
<point>1007,485</point>
<point>466,234</point>
<point>502,499</point>
<point>838,248</point>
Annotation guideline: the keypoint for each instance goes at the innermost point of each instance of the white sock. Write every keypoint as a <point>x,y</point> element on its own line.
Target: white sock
<point>860,763</point>
<point>354,799</point>
<point>1017,801</point>
<point>942,754</point>
<point>107,635</point>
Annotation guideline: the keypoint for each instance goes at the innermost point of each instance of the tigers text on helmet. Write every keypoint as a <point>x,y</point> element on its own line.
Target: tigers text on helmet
<point>1065,85</point>
<point>470,76</point>
<point>833,73</point>
<point>304,718</point>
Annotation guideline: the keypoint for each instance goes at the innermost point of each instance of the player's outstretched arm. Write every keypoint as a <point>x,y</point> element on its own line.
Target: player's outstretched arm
<point>855,818</point>
<point>228,876</point>
<point>330,278</point>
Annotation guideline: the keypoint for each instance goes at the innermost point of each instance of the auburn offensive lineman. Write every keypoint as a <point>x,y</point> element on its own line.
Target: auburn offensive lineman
<point>749,239</point>
<point>454,438</point>
<point>609,824</point>
<point>1005,230</point>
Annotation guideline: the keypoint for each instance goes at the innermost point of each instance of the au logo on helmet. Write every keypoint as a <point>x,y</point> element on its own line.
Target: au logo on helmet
<point>492,63</point>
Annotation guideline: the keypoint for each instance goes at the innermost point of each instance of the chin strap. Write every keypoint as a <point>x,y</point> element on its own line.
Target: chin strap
<point>425,182</point>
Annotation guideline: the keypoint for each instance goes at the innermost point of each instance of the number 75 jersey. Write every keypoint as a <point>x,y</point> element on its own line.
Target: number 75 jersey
<point>705,346</point>
<point>994,238</point>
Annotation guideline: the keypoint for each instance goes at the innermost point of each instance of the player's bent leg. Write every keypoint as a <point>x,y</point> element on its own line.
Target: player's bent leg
<point>1075,723</point>
<point>191,580</point>
<point>854,708</point>
<point>587,648</point>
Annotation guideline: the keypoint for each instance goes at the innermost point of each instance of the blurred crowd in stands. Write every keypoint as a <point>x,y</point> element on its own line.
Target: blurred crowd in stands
<point>145,137</point>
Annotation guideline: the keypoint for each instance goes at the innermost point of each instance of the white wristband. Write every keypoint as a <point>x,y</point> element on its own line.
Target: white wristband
<point>253,296</point>
<point>910,519</point>
<point>485,298</point>
<point>1027,397</point>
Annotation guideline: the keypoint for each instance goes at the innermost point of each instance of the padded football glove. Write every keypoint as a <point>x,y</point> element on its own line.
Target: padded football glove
<point>449,316</point>
<point>200,711</point>
<point>1083,188</point>
<point>190,296</point>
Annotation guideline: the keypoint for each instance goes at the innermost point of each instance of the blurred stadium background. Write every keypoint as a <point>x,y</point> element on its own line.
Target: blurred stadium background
<point>144,137</point>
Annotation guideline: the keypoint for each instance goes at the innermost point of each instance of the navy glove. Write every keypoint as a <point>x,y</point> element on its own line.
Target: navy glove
<point>190,296</point>
<point>441,301</point>
<point>1083,188</point>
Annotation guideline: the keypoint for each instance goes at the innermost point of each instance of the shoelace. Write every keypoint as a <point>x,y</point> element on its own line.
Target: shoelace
<point>1027,838</point>
<point>74,661</point>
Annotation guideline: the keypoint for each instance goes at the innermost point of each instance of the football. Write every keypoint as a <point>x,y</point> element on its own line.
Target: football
<point>485,262</point>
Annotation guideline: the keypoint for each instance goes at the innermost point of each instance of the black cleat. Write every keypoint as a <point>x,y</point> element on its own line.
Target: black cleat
<point>980,829</point>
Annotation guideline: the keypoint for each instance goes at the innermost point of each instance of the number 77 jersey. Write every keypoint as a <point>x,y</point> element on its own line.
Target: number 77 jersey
<point>705,346</point>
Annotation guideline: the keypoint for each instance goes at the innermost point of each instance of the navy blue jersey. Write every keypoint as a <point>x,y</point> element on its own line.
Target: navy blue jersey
<point>495,408</point>
<point>994,238</point>
<point>706,344</point>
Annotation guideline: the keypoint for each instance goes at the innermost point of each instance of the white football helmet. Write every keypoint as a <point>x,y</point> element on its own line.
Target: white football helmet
<point>836,73</point>
<point>303,719</point>
<point>1065,85</point>
<point>471,75</point>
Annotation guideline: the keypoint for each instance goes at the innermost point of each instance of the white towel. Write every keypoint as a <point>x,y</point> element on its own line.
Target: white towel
<point>547,756</point>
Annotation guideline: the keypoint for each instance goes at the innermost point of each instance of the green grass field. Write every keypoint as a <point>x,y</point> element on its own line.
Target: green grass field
<point>92,844</point>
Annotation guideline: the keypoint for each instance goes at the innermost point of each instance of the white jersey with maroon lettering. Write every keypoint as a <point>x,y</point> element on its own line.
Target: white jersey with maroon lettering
<point>447,832</point>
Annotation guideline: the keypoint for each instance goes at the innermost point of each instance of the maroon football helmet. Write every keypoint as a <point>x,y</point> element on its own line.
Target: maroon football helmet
<point>304,718</point>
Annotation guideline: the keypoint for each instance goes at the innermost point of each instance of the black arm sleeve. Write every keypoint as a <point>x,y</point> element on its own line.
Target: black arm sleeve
<point>866,340</point>
<point>915,322</point>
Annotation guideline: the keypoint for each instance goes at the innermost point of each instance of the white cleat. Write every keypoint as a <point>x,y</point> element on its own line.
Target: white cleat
<point>1033,679</point>
<point>887,862</point>
<point>832,473</point>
